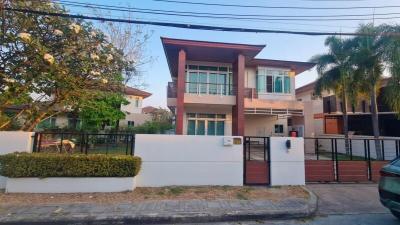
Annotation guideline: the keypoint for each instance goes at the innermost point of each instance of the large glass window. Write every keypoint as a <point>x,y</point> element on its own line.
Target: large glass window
<point>206,124</point>
<point>273,81</point>
<point>211,80</point>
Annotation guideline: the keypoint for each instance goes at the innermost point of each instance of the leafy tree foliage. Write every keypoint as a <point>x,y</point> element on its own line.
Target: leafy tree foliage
<point>50,65</point>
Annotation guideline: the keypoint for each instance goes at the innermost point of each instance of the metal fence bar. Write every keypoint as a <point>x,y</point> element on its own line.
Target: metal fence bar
<point>369,163</point>
<point>383,149</point>
<point>336,161</point>
<point>351,150</point>
<point>317,148</point>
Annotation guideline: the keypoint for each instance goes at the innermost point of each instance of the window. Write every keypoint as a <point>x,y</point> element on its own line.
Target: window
<point>278,129</point>
<point>273,81</point>
<point>74,123</point>
<point>206,124</point>
<point>48,123</point>
<point>131,123</point>
<point>137,102</point>
<point>212,80</point>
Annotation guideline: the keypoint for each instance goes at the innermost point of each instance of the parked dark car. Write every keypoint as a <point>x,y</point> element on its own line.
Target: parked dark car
<point>389,187</point>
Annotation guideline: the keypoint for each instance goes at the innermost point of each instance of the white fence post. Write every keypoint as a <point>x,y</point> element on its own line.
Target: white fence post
<point>287,164</point>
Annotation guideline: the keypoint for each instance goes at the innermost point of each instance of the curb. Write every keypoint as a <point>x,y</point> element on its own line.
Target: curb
<point>307,210</point>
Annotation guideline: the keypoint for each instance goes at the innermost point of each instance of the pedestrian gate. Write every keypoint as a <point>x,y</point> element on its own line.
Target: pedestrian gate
<point>256,158</point>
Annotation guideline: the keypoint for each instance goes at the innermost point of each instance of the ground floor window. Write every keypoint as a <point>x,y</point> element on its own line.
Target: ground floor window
<point>206,124</point>
<point>131,123</point>
<point>278,129</point>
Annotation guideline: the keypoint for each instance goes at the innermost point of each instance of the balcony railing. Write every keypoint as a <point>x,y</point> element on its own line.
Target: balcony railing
<point>171,90</point>
<point>209,88</point>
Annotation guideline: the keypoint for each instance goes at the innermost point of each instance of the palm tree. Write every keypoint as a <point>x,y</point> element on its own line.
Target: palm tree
<point>335,74</point>
<point>369,60</point>
<point>392,59</point>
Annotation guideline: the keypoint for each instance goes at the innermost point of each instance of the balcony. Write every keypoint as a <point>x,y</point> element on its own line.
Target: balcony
<point>209,89</point>
<point>171,90</point>
<point>250,93</point>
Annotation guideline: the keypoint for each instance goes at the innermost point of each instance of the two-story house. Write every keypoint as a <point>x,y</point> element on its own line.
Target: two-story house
<point>324,115</point>
<point>222,89</point>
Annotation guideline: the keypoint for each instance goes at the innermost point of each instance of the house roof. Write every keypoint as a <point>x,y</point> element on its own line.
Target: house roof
<point>148,109</point>
<point>136,92</point>
<point>206,51</point>
<point>296,66</point>
<point>305,88</point>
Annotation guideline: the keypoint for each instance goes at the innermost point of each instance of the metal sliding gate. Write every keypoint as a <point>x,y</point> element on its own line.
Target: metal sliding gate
<point>256,158</point>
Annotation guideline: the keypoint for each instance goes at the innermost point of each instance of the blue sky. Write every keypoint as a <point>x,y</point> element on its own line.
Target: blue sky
<point>279,46</point>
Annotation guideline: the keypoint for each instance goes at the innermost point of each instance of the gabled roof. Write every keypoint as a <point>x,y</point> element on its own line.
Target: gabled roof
<point>305,88</point>
<point>136,92</point>
<point>148,109</point>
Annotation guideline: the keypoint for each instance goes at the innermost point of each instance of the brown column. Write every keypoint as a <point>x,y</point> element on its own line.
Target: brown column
<point>180,92</point>
<point>238,109</point>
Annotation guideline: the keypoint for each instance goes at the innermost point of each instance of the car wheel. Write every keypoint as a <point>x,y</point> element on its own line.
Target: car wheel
<point>395,213</point>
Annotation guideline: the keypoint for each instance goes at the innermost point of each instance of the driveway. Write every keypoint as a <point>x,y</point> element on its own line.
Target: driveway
<point>347,199</point>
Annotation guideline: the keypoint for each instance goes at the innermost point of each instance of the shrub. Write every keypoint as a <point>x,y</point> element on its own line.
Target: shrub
<point>59,165</point>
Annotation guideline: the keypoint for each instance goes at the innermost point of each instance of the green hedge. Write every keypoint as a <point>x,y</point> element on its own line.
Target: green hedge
<point>60,165</point>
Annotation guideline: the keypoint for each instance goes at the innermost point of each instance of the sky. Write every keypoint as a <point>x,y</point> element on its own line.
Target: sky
<point>278,46</point>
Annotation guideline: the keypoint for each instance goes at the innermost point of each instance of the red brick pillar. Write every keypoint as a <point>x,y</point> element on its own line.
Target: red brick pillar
<point>180,92</point>
<point>238,109</point>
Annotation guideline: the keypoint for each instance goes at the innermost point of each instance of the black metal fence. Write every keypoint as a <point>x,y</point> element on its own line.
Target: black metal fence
<point>84,143</point>
<point>336,159</point>
<point>357,149</point>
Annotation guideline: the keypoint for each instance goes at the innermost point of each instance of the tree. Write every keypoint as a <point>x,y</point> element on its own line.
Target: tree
<point>51,65</point>
<point>132,40</point>
<point>392,59</point>
<point>105,109</point>
<point>335,74</point>
<point>369,59</point>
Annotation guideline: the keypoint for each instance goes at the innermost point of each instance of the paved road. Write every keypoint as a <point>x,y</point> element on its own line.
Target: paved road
<point>354,219</point>
<point>340,204</point>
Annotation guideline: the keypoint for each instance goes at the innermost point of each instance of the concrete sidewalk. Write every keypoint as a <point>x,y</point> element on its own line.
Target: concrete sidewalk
<point>336,199</point>
<point>166,211</point>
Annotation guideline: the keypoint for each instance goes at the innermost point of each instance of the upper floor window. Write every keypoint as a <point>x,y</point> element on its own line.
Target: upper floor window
<point>137,102</point>
<point>212,80</point>
<point>273,81</point>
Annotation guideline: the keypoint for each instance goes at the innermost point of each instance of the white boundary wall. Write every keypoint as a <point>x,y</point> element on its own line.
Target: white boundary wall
<point>14,141</point>
<point>287,165</point>
<point>188,160</point>
<point>70,184</point>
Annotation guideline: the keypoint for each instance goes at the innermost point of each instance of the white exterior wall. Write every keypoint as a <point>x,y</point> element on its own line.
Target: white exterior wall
<point>263,125</point>
<point>287,165</point>
<point>131,107</point>
<point>188,160</point>
<point>14,141</point>
<point>138,118</point>
<point>227,110</point>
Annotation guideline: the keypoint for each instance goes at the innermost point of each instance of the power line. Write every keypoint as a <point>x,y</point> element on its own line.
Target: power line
<point>194,15</point>
<point>280,7</point>
<point>130,9</point>
<point>192,26</point>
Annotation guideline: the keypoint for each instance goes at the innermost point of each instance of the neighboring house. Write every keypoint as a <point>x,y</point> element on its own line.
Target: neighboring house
<point>149,110</point>
<point>221,89</point>
<point>133,113</point>
<point>325,114</point>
